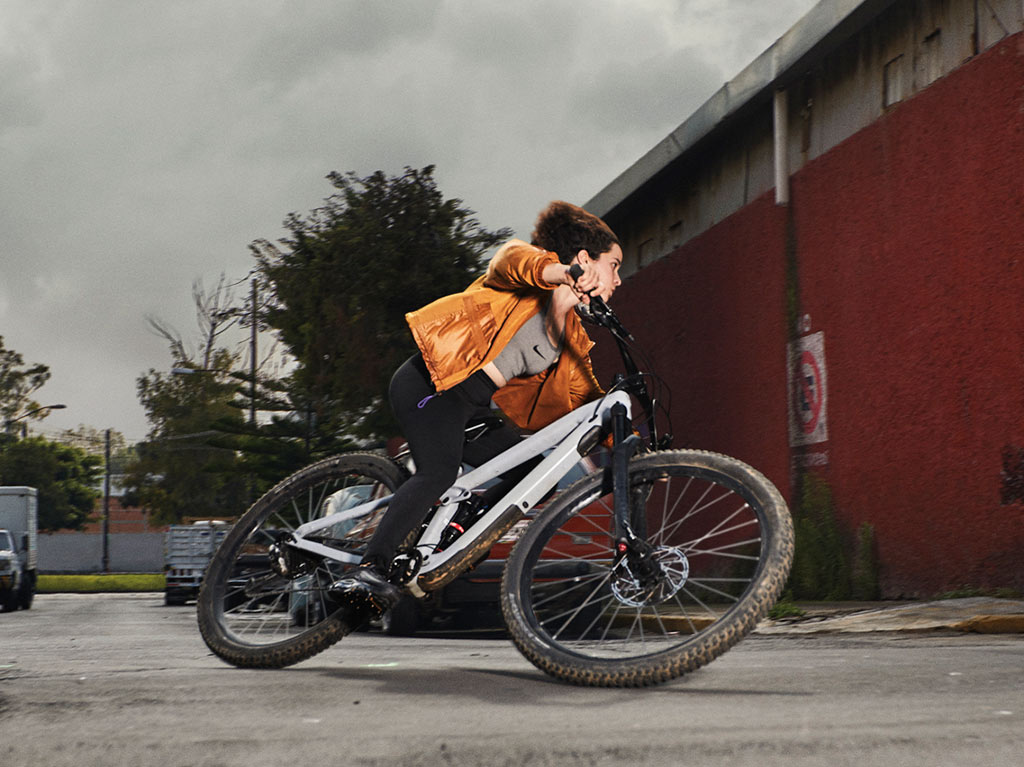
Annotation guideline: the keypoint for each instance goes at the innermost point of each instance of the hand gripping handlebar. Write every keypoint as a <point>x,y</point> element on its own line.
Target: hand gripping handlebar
<point>598,310</point>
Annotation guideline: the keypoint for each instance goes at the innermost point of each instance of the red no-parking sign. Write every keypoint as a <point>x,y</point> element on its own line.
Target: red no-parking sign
<point>808,390</point>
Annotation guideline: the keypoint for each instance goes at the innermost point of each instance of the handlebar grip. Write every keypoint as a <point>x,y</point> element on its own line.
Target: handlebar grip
<point>598,308</point>
<point>576,271</point>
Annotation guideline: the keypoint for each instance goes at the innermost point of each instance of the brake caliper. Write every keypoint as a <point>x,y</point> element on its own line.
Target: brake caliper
<point>649,576</point>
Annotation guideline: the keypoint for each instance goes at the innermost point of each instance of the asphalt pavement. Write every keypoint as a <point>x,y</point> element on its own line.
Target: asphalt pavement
<point>124,680</point>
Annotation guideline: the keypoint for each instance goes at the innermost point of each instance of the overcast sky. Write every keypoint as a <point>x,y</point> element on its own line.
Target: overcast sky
<point>146,143</point>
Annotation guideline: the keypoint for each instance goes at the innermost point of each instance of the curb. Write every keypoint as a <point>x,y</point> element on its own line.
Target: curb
<point>974,615</point>
<point>992,624</point>
<point>979,615</point>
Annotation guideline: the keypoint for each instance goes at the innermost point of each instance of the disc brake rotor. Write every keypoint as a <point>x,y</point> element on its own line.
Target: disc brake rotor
<point>635,590</point>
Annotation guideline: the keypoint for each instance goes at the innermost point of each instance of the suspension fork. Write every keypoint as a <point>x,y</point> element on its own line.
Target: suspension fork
<point>630,523</point>
<point>628,539</point>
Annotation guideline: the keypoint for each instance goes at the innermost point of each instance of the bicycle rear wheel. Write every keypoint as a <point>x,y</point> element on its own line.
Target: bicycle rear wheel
<point>719,548</point>
<point>256,612</point>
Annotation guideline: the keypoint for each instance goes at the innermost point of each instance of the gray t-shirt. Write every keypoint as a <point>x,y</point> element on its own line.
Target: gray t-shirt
<point>529,352</point>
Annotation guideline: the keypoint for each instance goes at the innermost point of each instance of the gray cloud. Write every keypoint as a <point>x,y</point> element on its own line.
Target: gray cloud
<point>145,143</point>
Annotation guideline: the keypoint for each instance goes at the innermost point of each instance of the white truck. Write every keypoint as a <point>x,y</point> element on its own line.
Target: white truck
<point>188,549</point>
<point>17,547</point>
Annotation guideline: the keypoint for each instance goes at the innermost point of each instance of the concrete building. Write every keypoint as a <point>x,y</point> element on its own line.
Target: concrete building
<point>827,259</point>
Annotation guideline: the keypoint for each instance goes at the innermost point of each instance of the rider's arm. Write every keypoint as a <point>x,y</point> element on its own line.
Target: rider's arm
<point>519,265</point>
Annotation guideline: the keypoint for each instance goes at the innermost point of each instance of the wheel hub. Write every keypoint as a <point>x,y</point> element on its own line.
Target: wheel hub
<point>655,578</point>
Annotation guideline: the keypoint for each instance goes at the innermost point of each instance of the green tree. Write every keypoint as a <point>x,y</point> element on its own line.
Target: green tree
<point>287,437</point>
<point>379,247</point>
<point>287,434</point>
<point>18,382</point>
<point>187,466</point>
<point>65,477</point>
<point>183,468</point>
<point>94,442</point>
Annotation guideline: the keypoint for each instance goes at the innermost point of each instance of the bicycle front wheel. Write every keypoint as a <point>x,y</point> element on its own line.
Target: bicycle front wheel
<point>259,611</point>
<point>719,545</point>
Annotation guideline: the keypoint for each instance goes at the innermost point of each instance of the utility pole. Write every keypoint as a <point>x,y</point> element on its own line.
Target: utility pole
<point>252,355</point>
<point>253,328</point>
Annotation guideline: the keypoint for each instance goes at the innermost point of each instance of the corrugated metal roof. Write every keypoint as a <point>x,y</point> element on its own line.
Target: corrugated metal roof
<point>819,32</point>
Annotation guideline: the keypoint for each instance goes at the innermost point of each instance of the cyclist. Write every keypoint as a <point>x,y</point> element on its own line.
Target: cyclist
<point>513,336</point>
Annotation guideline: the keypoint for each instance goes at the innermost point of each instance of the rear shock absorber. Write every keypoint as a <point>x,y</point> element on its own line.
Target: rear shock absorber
<point>470,510</point>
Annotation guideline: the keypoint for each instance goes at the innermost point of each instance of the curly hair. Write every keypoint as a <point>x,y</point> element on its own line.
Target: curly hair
<point>566,229</point>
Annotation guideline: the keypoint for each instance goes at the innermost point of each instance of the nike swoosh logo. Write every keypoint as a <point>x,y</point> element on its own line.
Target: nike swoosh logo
<point>536,348</point>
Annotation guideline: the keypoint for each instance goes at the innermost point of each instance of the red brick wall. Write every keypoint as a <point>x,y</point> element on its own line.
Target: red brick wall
<point>123,519</point>
<point>905,247</point>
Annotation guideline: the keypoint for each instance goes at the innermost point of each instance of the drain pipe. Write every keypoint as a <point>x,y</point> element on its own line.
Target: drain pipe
<point>781,130</point>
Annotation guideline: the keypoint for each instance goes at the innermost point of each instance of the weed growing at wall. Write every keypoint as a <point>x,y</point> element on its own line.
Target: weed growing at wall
<point>825,565</point>
<point>865,565</point>
<point>820,564</point>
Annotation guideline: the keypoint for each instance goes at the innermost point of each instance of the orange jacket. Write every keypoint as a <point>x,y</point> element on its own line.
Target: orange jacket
<point>460,333</point>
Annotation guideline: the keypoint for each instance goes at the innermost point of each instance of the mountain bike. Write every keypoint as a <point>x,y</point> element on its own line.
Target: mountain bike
<point>649,567</point>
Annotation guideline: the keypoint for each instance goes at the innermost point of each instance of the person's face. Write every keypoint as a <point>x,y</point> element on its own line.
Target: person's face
<point>608,265</point>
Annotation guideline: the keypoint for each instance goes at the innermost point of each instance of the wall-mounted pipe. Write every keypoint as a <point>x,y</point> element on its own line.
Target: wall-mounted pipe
<point>781,131</point>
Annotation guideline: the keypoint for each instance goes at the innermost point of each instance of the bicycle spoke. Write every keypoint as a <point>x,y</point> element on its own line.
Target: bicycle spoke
<point>259,607</point>
<point>706,542</point>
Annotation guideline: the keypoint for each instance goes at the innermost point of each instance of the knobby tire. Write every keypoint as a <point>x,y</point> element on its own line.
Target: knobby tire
<point>724,540</point>
<point>227,605</point>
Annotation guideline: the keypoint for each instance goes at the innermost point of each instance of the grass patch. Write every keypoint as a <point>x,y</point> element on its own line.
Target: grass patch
<point>785,608</point>
<point>100,582</point>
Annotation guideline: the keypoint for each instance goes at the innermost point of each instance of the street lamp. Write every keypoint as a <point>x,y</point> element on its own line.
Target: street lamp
<point>24,427</point>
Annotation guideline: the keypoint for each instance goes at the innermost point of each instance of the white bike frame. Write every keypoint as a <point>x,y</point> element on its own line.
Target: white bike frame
<point>570,437</point>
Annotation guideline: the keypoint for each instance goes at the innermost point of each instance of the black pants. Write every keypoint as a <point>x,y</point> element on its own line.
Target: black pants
<point>434,425</point>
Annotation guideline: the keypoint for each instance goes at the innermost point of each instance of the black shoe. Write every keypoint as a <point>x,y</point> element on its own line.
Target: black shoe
<point>365,586</point>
